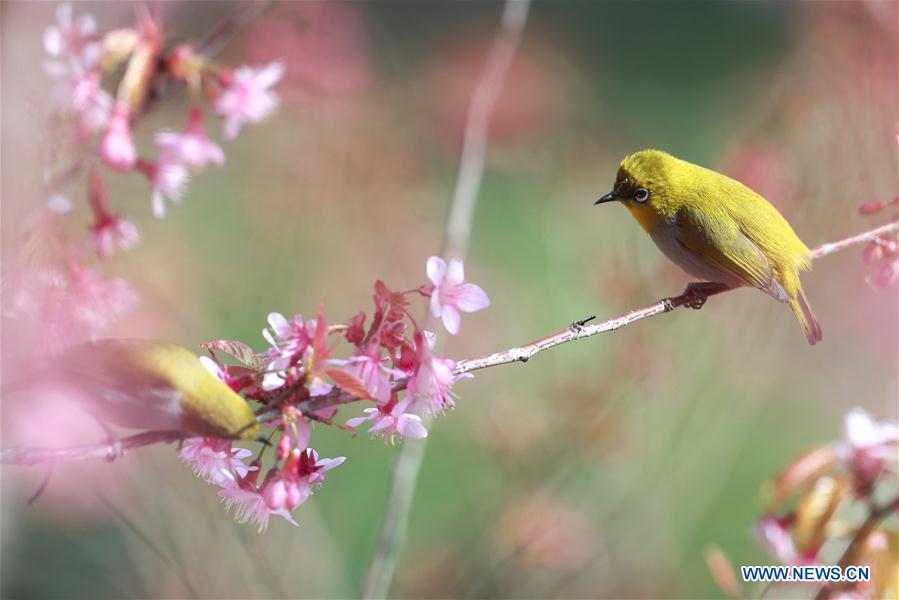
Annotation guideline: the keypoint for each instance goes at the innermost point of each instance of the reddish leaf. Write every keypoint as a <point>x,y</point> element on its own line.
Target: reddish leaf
<point>349,383</point>
<point>242,352</point>
<point>355,332</point>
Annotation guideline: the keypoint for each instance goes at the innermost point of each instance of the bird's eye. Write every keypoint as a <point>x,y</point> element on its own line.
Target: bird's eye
<point>641,194</point>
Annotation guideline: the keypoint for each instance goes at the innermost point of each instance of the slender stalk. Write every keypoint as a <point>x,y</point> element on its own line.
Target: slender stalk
<point>106,451</point>
<point>875,515</point>
<point>458,234</point>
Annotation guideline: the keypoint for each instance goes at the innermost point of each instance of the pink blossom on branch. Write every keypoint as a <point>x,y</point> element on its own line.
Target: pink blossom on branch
<point>289,341</point>
<point>168,178</point>
<point>450,293</point>
<point>291,486</point>
<point>392,420</point>
<point>192,147</point>
<point>117,148</point>
<point>432,377</point>
<point>73,41</point>
<point>109,232</point>
<point>247,96</point>
<point>868,447</point>
<point>215,460</point>
<point>777,539</point>
<point>249,505</point>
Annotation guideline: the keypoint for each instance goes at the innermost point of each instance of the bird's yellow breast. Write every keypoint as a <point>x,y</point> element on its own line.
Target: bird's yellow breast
<point>650,220</point>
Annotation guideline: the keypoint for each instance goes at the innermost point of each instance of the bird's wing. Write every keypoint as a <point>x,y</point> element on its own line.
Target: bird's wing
<point>719,241</point>
<point>119,388</point>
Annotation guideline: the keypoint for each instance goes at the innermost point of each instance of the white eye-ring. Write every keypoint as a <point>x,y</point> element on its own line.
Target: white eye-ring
<point>641,194</point>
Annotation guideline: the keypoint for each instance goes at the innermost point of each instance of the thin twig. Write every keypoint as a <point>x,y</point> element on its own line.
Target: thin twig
<point>458,233</point>
<point>875,515</point>
<point>106,451</point>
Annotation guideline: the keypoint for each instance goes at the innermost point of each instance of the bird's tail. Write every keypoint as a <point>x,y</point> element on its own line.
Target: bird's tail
<point>807,320</point>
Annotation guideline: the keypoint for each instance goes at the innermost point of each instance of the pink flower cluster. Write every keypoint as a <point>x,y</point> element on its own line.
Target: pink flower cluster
<point>825,480</point>
<point>101,83</point>
<point>881,253</point>
<point>136,59</point>
<point>298,380</point>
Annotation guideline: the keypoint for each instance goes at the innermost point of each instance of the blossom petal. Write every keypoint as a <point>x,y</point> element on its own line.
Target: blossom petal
<point>436,306</point>
<point>451,319</point>
<point>436,269</point>
<point>456,272</point>
<point>326,464</point>
<point>410,426</point>
<point>470,297</point>
<point>357,421</point>
<point>861,431</point>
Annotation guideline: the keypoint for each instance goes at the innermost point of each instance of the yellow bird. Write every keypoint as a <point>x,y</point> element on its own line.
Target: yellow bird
<point>716,229</point>
<point>149,384</point>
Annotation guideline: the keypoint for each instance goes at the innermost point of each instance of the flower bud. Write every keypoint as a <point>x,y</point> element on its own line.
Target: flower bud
<point>886,274</point>
<point>117,148</point>
<point>873,253</point>
<point>870,208</point>
<point>275,494</point>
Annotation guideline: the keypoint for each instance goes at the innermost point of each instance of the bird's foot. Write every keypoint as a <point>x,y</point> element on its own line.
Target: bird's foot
<point>697,293</point>
<point>578,326</point>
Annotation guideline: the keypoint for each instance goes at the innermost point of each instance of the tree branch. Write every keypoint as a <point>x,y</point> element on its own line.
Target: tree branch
<point>107,450</point>
<point>876,514</point>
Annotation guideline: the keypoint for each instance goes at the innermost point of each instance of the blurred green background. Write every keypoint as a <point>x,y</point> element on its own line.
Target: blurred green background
<point>604,468</point>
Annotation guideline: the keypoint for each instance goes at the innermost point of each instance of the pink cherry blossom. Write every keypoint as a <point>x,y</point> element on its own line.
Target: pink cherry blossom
<point>432,377</point>
<point>168,178</point>
<point>78,92</point>
<point>289,341</point>
<point>247,96</point>
<point>372,370</point>
<point>291,486</point>
<point>110,233</point>
<point>868,447</point>
<point>215,460</point>
<point>392,421</point>
<point>451,294</point>
<point>193,146</point>
<point>295,432</point>
<point>777,539</point>
<point>117,148</point>
<point>85,305</point>
<point>885,274</point>
<point>74,41</point>
<point>250,506</point>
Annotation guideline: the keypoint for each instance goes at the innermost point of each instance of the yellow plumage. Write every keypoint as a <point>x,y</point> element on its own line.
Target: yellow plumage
<point>716,228</point>
<point>149,384</point>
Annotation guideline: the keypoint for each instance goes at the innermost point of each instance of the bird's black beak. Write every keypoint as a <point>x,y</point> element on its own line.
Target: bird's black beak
<point>607,198</point>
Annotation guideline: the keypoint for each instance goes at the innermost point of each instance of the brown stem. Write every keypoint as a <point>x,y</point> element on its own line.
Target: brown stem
<point>875,516</point>
<point>107,450</point>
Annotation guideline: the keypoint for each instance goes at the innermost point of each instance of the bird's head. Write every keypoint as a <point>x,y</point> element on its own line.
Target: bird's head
<point>643,185</point>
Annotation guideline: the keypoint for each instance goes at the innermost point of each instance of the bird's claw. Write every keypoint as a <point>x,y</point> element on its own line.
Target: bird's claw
<point>698,301</point>
<point>697,293</point>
